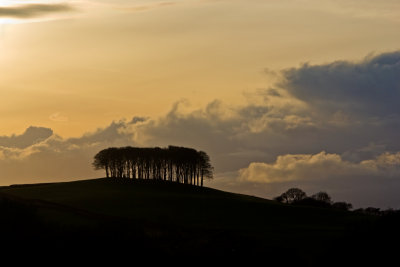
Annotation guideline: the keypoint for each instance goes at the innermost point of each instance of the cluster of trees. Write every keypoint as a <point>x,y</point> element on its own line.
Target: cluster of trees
<point>297,196</point>
<point>179,164</point>
<point>320,199</point>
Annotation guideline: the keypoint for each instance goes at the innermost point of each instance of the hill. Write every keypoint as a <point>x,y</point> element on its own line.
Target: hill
<point>170,219</point>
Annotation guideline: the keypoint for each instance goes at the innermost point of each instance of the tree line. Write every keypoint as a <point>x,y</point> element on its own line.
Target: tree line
<point>297,196</point>
<point>178,164</point>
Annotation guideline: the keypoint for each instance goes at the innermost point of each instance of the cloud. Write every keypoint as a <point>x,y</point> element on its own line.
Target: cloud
<point>367,88</point>
<point>321,166</point>
<point>31,136</point>
<point>33,10</point>
<point>138,119</point>
<point>55,158</point>
<point>37,141</point>
<point>372,182</point>
<point>230,134</point>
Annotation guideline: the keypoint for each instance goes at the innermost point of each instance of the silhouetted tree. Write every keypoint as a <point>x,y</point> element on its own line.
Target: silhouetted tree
<point>342,205</point>
<point>322,197</point>
<point>102,161</point>
<point>279,198</point>
<point>293,195</point>
<point>369,211</point>
<point>309,201</point>
<point>205,168</point>
<point>179,164</point>
<point>373,211</point>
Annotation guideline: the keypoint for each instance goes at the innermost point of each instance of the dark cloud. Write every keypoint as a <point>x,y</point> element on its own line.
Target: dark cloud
<point>138,119</point>
<point>113,134</point>
<point>33,10</point>
<point>367,88</point>
<point>31,136</point>
<point>352,104</point>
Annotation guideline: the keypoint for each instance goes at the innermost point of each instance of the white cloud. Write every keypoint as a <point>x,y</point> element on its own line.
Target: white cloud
<point>319,167</point>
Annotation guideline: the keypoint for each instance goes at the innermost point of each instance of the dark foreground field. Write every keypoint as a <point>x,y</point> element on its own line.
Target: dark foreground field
<point>156,220</point>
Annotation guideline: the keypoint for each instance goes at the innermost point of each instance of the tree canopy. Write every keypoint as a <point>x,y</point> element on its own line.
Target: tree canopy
<point>179,164</point>
<point>292,195</point>
<point>321,199</point>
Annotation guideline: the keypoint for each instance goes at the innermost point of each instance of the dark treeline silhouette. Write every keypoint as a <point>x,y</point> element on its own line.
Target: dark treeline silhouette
<point>297,196</point>
<point>178,164</point>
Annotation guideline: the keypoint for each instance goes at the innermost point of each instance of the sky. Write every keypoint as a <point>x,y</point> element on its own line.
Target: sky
<point>280,94</point>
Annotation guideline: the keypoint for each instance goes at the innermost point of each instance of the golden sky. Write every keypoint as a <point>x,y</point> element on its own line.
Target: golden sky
<point>103,60</point>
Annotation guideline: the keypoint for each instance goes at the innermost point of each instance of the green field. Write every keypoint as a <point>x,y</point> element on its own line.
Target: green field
<point>175,218</point>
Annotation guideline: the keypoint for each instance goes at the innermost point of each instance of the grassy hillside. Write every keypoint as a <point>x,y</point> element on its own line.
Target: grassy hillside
<point>183,205</point>
<point>175,218</point>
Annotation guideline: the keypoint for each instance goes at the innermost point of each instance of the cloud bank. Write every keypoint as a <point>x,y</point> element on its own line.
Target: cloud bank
<point>31,136</point>
<point>51,158</point>
<point>331,127</point>
<point>378,179</point>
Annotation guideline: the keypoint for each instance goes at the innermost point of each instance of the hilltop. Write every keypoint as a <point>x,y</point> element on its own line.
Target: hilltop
<point>172,219</point>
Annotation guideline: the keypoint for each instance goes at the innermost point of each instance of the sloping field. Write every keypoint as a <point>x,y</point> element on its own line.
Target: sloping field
<point>176,218</point>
